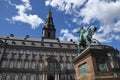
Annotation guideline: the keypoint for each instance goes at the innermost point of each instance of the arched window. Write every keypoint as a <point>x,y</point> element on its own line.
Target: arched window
<point>3,64</point>
<point>11,65</point>
<point>14,50</point>
<point>21,51</point>
<point>28,52</point>
<point>26,64</point>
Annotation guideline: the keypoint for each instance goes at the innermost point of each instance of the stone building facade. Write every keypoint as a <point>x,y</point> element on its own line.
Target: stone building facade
<point>28,58</point>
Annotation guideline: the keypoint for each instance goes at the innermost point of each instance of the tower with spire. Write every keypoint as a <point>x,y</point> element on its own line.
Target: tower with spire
<point>49,31</point>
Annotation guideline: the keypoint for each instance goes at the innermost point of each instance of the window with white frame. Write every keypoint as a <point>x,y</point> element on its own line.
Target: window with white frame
<point>18,64</point>
<point>3,64</point>
<point>11,65</point>
<point>26,64</point>
<point>33,64</point>
<point>8,77</point>
<point>16,77</point>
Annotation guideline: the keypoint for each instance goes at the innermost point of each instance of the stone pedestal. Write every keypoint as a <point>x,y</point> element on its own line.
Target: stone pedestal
<point>98,62</point>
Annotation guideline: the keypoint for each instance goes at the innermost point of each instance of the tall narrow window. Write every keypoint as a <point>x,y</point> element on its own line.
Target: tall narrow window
<point>11,64</point>
<point>8,77</point>
<point>14,51</point>
<point>40,77</point>
<point>33,64</point>
<point>26,64</point>
<point>32,77</point>
<point>7,50</point>
<point>16,77</point>
<point>3,64</point>
<point>67,65</point>
<point>18,64</point>
<point>40,66</point>
<point>61,66</point>
<point>68,77</point>
<point>23,77</point>
<point>51,66</point>
<point>21,51</point>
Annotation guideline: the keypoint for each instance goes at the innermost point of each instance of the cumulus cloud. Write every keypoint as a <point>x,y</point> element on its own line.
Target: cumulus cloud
<point>22,16</point>
<point>66,35</point>
<point>106,12</point>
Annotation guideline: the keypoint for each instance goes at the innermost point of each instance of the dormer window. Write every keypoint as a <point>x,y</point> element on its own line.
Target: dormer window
<point>13,42</point>
<point>23,43</point>
<point>33,44</point>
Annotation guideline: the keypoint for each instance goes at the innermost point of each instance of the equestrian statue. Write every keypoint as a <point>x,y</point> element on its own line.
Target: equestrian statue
<point>85,37</point>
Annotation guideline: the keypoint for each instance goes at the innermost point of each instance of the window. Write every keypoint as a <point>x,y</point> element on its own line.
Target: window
<point>73,66</point>
<point>32,77</point>
<point>68,77</point>
<point>26,64</point>
<point>16,77</point>
<point>48,34</point>
<point>18,64</point>
<point>11,64</point>
<point>33,65</point>
<point>40,77</point>
<point>1,77</point>
<point>62,77</point>
<point>7,50</point>
<point>83,69</point>
<point>3,64</point>
<point>34,52</point>
<point>61,66</point>
<point>28,52</point>
<point>8,77</point>
<point>23,77</point>
<point>40,65</point>
<point>14,50</point>
<point>67,65</point>
<point>51,66</point>
<point>21,51</point>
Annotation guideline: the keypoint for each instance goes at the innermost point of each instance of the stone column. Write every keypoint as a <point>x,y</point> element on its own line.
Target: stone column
<point>55,76</point>
<point>46,76</point>
<point>43,76</point>
<point>58,76</point>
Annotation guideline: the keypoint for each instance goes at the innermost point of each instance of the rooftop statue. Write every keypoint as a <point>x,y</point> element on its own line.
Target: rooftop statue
<point>85,36</point>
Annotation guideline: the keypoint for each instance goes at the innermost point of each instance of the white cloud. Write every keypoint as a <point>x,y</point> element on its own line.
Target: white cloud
<point>107,12</point>
<point>66,35</point>
<point>67,6</point>
<point>22,16</point>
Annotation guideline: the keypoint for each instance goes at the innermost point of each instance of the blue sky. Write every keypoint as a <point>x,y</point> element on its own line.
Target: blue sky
<point>27,17</point>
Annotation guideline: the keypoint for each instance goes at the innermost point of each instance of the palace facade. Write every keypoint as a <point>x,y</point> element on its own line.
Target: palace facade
<point>28,58</point>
